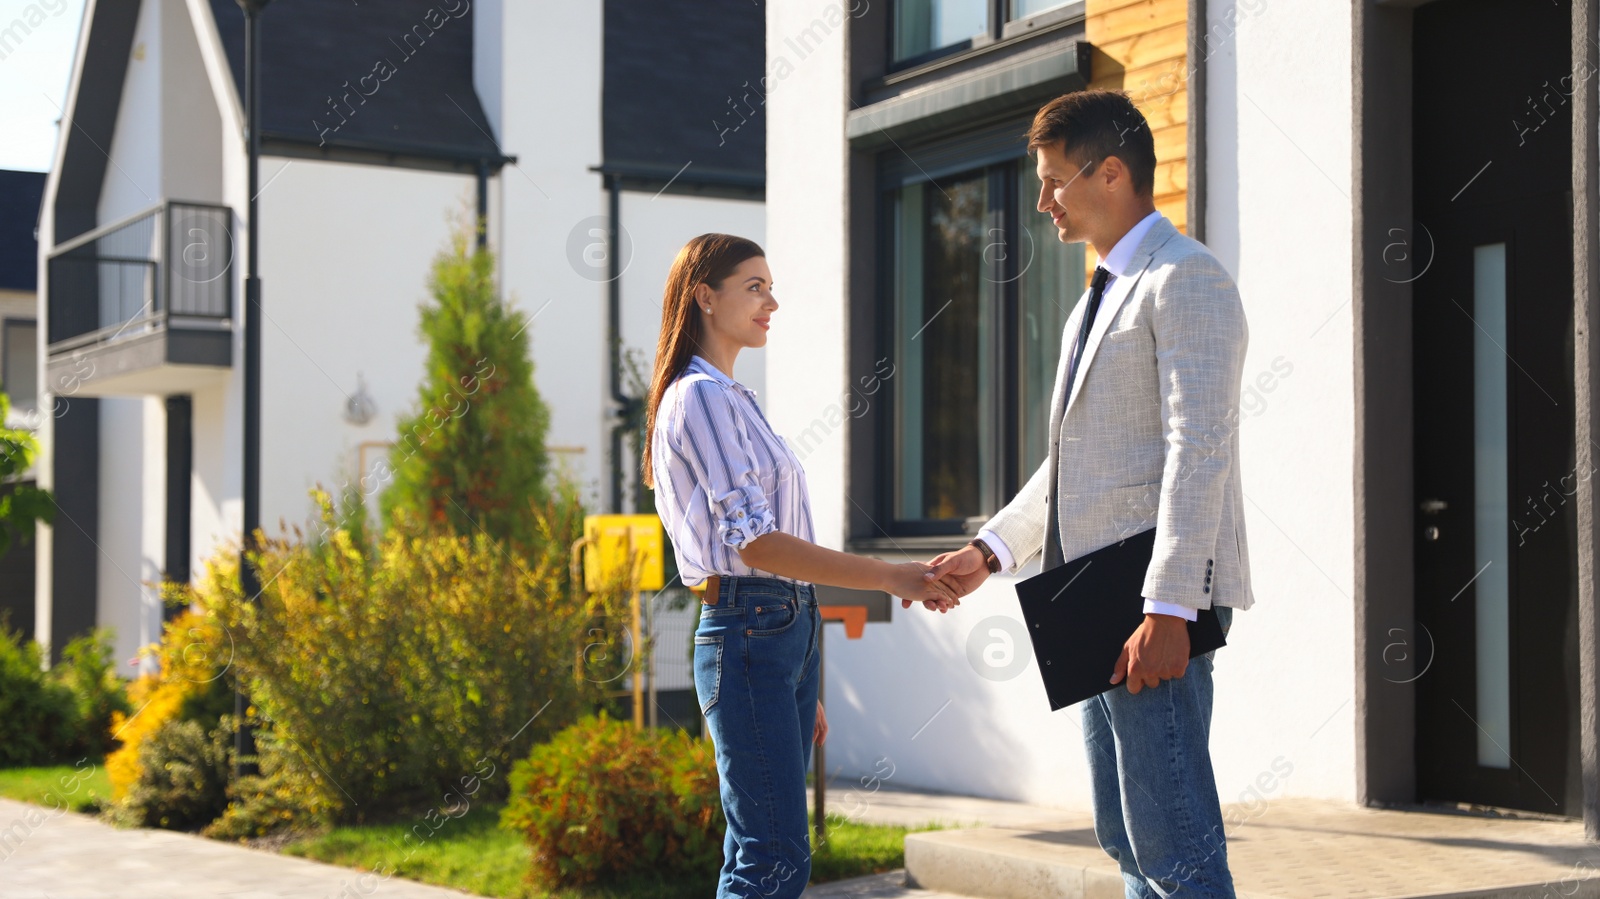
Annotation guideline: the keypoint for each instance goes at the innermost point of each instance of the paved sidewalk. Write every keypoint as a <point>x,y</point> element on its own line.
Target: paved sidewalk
<point>879,886</point>
<point>890,804</point>
<point>1291,848</point>
<point>49,855</point>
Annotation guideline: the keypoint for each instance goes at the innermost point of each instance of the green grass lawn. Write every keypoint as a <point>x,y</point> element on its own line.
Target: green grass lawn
<point>472,853</point>
<point>84,788</point>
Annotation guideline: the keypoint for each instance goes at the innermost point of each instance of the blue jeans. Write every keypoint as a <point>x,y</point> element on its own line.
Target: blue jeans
<point>756,671</point>
<point>1156,811</point>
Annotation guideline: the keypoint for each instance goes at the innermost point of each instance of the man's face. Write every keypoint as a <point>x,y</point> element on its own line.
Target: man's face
<point>1067,193</point>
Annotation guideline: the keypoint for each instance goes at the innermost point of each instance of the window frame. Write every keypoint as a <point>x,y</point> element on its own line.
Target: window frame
<point>1007,206</point>
<point>1002,24</point>
<point>7,325</point>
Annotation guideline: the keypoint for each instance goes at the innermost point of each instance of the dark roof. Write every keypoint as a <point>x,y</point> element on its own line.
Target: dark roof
<point>20,196</point>
<point>670,71</point>
<point>417,60</point>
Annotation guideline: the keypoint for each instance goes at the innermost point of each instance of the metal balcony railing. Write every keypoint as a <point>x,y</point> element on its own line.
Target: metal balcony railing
<point>167,266</point>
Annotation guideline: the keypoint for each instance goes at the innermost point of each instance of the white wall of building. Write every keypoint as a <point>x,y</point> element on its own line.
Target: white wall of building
<point>914,690</point>
<point>346,251</point>
<point>132,429</point>
<point>552,203</point>
<point>1278,113</point>
<point>658,226</point>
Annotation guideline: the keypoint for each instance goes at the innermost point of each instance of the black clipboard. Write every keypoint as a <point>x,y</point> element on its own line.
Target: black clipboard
<point>1079,616</point>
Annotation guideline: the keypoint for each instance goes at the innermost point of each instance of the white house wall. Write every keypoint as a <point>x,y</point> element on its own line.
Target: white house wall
<point>1278,109</point>
<point>909,691</point>
<point>659,226</point>
<point>346,251</point>
<point>132,431</point>
<point>545,100</point>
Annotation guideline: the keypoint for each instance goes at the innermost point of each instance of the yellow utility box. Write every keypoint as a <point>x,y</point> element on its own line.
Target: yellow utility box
<point>609,539</point>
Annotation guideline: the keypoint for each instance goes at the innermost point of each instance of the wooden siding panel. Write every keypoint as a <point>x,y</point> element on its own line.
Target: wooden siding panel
<point>1141,46</point>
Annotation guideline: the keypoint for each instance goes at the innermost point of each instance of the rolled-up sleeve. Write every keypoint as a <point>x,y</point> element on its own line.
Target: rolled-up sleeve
<point>718,450</point>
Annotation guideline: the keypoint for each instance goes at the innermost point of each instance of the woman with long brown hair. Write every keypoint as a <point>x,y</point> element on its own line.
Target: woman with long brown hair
<point>733,500</point>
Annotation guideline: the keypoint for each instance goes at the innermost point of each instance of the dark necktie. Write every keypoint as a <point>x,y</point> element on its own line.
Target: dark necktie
<point>1052,539</point>
<point>1097,288</point>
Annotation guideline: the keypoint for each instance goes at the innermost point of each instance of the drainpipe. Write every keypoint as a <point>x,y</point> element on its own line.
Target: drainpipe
<point>1199,30</point>
<point>482,224</point>
<point>626,405</point>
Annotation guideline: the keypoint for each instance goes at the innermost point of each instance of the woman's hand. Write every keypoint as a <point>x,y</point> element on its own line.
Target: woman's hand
<point>822,725</point>
<point>907,581</point>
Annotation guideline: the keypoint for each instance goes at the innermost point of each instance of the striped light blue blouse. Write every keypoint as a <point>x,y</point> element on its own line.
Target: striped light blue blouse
<point>723,478</point>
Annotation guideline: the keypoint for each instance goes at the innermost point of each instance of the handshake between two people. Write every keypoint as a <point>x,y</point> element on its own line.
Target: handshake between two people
<point>1157,651</point>
<point>940,582</point>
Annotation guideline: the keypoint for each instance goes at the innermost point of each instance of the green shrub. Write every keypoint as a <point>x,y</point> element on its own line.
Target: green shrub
<point>99,694</point>
<point>605,800</point>
<point>392,670</point>
<point>38,714</point>
<point>189,685</point>
<point>183,777</point>
<point>284,796</point>
<point>61,714</point>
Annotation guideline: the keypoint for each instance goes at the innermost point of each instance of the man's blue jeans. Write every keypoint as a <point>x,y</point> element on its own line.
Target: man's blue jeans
<point>756,671</point>
<point>1155,797</point>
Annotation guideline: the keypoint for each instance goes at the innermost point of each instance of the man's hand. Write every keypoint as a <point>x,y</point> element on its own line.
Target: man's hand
<point>961,571</point>
<point>821,733</point>
<point>1157,651</point>
<point>908,581</point>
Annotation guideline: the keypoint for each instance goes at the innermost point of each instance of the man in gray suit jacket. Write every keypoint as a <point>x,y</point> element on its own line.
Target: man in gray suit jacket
<point>1144,433</point>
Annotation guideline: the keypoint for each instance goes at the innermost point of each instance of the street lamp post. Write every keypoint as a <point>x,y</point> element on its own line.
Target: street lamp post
<point>249,583</point>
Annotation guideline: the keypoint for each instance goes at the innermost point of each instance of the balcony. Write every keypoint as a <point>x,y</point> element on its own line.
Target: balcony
<point>143,306</point>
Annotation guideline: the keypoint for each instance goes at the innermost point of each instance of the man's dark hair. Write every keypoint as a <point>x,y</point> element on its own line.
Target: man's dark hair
<point>1096,124</point>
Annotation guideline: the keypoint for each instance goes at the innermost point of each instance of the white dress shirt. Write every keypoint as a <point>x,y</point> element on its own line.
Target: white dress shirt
<point>1115,264</point>
<point>723,478</point>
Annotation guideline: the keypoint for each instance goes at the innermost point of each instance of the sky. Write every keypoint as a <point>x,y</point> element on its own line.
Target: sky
<point>37,40</point>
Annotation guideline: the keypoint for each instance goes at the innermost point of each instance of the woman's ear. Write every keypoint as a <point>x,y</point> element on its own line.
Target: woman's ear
<point>702,296</point>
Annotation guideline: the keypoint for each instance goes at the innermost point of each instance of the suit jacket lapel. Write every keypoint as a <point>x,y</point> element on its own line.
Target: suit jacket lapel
<point>1068,332</point>
<point>1119,291</point>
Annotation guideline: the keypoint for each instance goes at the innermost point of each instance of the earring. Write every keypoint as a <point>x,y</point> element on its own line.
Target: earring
<point>708,310</point>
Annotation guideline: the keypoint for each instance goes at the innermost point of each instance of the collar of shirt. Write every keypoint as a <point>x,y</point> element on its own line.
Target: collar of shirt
<point>1116,261</point>
<point>699,365</point>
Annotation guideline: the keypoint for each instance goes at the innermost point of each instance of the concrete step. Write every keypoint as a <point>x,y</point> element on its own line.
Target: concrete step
<point>1289,849</point>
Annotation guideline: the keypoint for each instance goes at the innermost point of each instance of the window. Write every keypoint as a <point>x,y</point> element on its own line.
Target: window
<point>923,26</point>
<point>923,29</point>
<point>979,291</point>
<point>19,359</point>
<point>1021,9</point>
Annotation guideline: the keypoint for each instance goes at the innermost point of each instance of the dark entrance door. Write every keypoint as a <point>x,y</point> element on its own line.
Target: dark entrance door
<point>1492,318</point>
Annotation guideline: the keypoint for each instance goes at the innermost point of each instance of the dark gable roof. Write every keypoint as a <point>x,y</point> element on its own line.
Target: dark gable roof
<point>20,196</point>
<point>670,70</point>
<point>416,57</point>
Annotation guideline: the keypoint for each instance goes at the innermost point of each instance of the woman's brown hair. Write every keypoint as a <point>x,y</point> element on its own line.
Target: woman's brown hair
<point>707,259</point>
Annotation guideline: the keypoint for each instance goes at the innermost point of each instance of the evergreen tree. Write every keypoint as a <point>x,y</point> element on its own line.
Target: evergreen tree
<point>472,456</point>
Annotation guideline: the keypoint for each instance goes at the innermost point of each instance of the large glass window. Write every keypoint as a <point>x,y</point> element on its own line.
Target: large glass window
<point>980,290</point>
<point>1021,9</point>
<point>922,26</point>
<point>19,358</point>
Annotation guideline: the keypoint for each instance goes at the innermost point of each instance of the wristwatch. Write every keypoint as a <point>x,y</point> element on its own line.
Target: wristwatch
<point>990,560</point>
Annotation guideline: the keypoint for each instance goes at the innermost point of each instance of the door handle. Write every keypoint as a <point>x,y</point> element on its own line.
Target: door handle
<point>1433,506</point>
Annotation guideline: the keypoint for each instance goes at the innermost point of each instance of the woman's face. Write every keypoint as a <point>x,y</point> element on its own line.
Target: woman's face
<point>740,311</point>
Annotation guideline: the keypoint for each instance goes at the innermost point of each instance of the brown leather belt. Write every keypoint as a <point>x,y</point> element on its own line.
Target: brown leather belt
<point>713,590</point>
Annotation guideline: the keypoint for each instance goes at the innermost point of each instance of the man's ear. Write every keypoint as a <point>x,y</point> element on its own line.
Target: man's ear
<point>1114,174</point>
